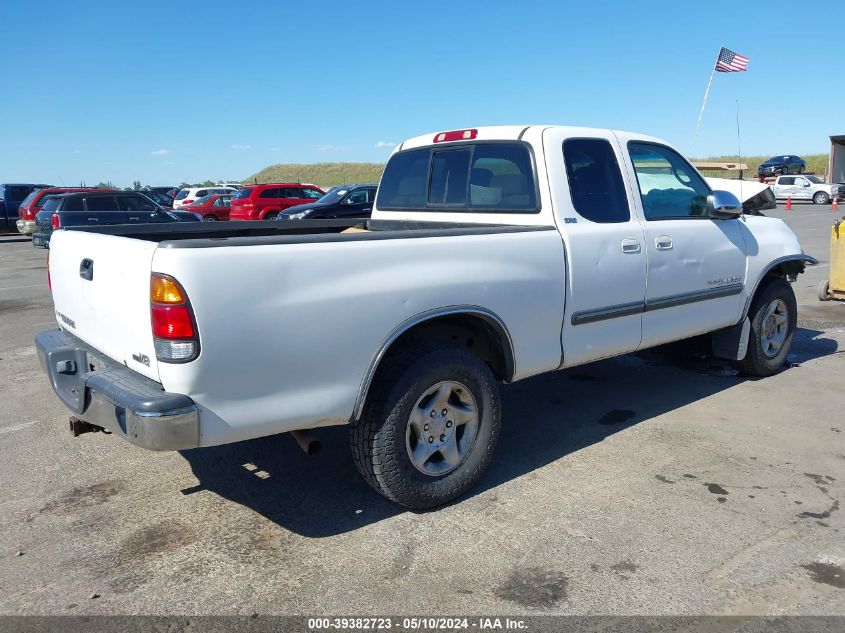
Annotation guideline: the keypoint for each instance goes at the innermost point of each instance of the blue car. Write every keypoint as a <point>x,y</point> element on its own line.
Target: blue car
<point>781,166</point>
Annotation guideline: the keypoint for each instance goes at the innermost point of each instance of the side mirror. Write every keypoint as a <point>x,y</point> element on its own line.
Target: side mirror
<point>723,205</point>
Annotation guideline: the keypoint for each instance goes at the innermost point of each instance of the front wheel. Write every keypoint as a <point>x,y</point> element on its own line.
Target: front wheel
<point>821,198</point>
<point>272,215</point>
<point>774,316</point>
<point>209,218</point>
<point>429,427</point>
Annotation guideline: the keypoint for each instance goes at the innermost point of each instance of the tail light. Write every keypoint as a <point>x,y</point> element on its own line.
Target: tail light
<point>184,202</point>
<point>175,333</point>
<point>55,221</point>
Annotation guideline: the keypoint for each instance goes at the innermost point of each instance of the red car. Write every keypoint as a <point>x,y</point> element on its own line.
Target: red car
<point>33,202</point>
<point>264,202</point>
<point>211,208</point>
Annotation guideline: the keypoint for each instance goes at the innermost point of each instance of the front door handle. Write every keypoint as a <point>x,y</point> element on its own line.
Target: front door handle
<point>630,245</point>
<point>663,243</point>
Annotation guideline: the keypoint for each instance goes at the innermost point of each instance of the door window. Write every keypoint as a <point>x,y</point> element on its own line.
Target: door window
<point>16,194</point>
<point>787,180</point>
<point>357,197</point>
<point>270,193</point>
<point>595,182</point>
<point>371,194</point>
<point>101,203</point>
<point>135,204</point>
<point>201,193</point>
<point>669,186</point>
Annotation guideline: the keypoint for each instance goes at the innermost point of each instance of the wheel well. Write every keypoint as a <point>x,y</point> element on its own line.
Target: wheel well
<point>480,335</point>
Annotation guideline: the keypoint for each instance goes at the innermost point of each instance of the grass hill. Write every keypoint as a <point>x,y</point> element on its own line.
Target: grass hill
<point>322,174</point>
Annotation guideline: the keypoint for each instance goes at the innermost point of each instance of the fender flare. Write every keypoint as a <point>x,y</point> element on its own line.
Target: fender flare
<point>801,260</point>
<point>490,317</point>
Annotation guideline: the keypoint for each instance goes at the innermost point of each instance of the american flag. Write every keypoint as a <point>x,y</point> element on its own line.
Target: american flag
<point>730,62</point>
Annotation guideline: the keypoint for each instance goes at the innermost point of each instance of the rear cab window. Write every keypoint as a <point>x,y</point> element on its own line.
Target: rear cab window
<point>488,177</point>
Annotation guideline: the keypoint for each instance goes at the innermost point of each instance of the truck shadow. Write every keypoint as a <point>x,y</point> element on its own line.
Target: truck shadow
<point>545,419</point>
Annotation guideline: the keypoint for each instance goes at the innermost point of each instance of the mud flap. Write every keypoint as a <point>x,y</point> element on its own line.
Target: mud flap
<point>731,342</point>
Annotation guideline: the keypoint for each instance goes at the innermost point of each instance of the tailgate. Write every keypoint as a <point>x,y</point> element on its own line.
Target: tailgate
<point>101,292</point>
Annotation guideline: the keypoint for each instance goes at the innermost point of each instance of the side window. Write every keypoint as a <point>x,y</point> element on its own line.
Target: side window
<point>135,204</point>
<point>449,173</point>
<point>101,203</point>
<point>16,194</point>
<point>74,203</point>
<point>357,197</point>
<point>371,194</point>
<point>403,184</point>
<point>502,178</point>
<point>270,193</point>
<point>669,186</point>
<point>787,180</point>
<point>595,182</point>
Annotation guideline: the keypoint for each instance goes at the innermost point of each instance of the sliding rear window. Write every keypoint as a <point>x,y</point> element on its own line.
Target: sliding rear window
<point>479,177</point>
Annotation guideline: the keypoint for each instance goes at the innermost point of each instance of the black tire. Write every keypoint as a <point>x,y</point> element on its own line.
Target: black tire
<point>756,361</point>
<point>209,218</point>
<point>272,215</point>
<point>821,198</point>
<point>378,439</point>
<point>800,169</point>
<point>823,290</point>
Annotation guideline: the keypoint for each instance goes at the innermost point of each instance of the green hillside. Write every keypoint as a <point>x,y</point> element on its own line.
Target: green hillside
<point>816,163</point>
<point>322,174</point>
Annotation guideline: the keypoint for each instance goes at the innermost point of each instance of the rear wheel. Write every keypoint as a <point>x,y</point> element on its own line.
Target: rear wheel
<point>774,316</point>
<point>821,198</point>
<point>824,290</point>
<point>209,218</point>
<point>429,426</point>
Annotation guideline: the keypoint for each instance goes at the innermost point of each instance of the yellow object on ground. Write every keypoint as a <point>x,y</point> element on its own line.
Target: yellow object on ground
<point>834,288</point>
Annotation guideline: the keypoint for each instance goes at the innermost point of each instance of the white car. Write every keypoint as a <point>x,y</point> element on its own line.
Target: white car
<point>188,195</point>
<point>493,254</point>
<point>805,187</point>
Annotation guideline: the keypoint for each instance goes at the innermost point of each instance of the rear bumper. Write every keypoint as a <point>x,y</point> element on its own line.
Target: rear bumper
<point>109,395</point>
<point>27,227</point>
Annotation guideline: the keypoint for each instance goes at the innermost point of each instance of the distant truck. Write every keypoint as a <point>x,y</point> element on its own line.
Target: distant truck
<point>805,187</point>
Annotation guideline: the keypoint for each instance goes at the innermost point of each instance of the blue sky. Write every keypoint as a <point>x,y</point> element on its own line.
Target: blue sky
<point>185,90</point>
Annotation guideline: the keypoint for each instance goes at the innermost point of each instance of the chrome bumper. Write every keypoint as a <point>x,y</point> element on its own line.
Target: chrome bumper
<point>27,227</point>
<point>112,396</point>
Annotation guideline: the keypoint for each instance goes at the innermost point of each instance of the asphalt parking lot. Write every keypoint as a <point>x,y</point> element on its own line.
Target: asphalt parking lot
<point>654,483</point>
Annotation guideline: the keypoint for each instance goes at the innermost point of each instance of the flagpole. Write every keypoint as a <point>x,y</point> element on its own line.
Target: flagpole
<point>703,104</point>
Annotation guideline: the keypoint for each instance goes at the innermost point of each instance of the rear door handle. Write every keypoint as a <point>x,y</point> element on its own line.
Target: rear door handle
<point>663,243</point>
<point>630,245</point>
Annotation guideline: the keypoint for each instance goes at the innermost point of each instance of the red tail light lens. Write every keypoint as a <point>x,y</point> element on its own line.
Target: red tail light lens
<point>174,329</point>
<point>55,222</point>
<point>187,202</point>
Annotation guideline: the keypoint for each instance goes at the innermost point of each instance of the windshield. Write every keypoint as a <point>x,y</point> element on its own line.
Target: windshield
<point>814,179</point>
<point>333,195</point>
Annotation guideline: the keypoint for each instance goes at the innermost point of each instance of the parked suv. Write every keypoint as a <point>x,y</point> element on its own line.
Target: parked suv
<point>188,195</point>
<point>98,208</point>
<point>346,201</point>
<point>264,202</point>
<point>34,201</point>
<point>11,196</point>
<point>781,165</point>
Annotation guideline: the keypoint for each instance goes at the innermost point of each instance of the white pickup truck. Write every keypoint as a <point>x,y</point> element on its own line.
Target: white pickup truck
<point>493,254</point>
<point>807,187</point>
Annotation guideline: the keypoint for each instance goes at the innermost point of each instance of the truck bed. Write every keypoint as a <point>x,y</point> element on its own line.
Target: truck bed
<point>251,233</point>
